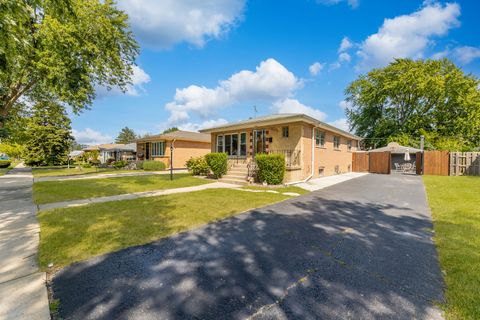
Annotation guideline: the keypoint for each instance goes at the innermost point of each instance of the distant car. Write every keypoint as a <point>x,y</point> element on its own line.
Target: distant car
<point>4,157</point>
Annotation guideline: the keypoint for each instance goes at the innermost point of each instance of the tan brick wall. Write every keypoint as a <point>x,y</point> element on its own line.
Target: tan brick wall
<point>184,150</point>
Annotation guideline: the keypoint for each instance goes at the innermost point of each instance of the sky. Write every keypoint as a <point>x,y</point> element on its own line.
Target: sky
<point>209,62</point>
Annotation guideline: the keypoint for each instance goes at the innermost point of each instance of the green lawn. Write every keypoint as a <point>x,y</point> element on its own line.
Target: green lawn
<point>455,204</point>
<point>73,234</point>
<point>49,172</point>
<point>279,189</point>
<point>55,191</point>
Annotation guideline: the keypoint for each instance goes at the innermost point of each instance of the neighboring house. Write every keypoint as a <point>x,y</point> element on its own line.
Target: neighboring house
<point>115,151</point>
<point>311,147</point>
<point>186,145</point>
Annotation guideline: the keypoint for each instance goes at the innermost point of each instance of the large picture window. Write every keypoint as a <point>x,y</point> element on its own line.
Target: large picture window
<point>158,149</point>
<point>233,144</point>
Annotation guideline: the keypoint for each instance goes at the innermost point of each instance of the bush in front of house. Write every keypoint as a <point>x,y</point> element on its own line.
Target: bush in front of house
<point>270,168</point>
<point>198,166</point>
<point>86,165</point>
<point>5,163</point>
<point>153,165</point>
<point>119,164</point>
<point>217,162</point>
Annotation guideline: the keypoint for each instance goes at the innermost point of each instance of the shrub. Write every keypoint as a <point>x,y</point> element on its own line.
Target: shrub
<point>119,164</point>
<point>86,165</point>
<point>5,163</point>
<point>217,162</point>
<point>110,161</point>
<point>153,165</point>
<point>270,168</point>
<point>198,166</point>
<point>140,165</point>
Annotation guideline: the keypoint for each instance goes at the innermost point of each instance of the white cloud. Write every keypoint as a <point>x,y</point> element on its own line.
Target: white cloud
<point>341,124</point>
<point>344,105</point>
<point>294,106</point>
<point>466,54</point>
<point>408,36</point>
<point>270,81</point>
<point>139,78</point>
<point>203,125</point>
<point>440,54</point>
<point>351,3</point>
<point>162,24</point>
<point>344,57</point>
<point>345,45</point>
<point>91,137</point>
<point>316,68</point>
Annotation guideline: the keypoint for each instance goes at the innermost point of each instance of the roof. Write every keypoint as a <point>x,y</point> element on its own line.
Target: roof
<point>113,147</point>
<point>279,119</point>
<point>179,135</point>
<point>75,153</point>
<point>396,148</point>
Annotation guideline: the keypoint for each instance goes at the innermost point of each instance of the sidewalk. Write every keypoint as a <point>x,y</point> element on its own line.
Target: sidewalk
<point>320,183</point>
<point>23,293</point>
<point>105,175</point>
<point>135,195</point>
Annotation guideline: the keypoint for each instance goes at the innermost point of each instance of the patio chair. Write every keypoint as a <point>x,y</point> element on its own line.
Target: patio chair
<point>398,168</point>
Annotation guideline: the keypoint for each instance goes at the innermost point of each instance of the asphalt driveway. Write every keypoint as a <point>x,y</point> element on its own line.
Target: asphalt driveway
<point>361,249</point>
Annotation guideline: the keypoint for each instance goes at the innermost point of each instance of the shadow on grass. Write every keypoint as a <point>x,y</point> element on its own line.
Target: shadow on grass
<point>318,256</point>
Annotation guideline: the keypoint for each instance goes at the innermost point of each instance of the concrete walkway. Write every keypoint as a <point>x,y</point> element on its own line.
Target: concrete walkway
<point>324,182</point>
<point>135,195</point>
<point>104,175</point>
<point>23,294</point>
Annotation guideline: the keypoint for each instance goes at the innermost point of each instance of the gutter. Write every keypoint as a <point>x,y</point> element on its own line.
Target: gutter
<point>313,162</point>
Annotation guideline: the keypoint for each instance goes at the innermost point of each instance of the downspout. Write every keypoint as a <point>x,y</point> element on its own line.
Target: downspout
<point>313,162</point>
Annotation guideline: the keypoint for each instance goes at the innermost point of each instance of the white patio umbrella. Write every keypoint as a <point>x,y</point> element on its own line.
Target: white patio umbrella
<point>407,155</point>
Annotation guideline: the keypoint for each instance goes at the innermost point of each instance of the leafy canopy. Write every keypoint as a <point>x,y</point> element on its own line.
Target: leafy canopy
<point>172,129</point>
<point>61,50</point>
<point>49,135</point>
<point>126,135</point>
<point>409,98</point>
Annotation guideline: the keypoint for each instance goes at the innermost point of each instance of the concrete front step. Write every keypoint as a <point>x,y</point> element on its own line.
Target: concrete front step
<point>238,172</point>
<point>235,176</point>
<point>234,181</point>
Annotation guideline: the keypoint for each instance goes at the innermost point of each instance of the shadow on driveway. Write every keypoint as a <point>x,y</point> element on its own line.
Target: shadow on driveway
<point>358,250</point>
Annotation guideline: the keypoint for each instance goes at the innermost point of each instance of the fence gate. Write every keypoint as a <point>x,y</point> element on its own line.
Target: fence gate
<point>465,163</point>
<point>360,162</point>
<point>380,162</point>
<point>436,163</point>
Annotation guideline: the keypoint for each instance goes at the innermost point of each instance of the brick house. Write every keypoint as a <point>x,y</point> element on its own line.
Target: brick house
<point>311,147</point>
<point>186,145</point>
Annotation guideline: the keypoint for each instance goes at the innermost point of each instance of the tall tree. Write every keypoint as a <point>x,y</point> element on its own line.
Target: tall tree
<point>49,135</point>
<point>172,129</point>
<point>409,98</point>
<point>126,135</point>
<point>62,50</point>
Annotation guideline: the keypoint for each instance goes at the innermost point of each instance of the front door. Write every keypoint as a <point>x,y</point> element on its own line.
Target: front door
<point>147,151</point>
<point>259,141</point>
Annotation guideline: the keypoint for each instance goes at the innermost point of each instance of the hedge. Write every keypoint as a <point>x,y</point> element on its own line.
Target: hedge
<point>5,163</point>
<point>198,166</point>
<point>153,165</point>
<point>217,163</point>
<point>270,168</point>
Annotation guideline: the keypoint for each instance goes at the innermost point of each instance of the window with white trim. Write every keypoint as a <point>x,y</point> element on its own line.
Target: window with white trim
<point>220,143</point>
<point>158,149</point>
<point>336,142</point>
<point>319,138</point>
<point>349,145</point>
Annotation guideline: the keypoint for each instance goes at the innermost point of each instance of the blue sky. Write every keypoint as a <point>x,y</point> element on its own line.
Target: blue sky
<point>208,62</point>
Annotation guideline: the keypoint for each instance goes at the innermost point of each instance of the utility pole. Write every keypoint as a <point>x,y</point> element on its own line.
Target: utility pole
<point>422,142</point>
<point>255,111</point>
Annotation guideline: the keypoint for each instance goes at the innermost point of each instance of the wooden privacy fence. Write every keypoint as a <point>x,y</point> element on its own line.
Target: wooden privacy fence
<point>465,163</point>
<point>436,163</point>
<point>360,162</point>
<point>379,162</point>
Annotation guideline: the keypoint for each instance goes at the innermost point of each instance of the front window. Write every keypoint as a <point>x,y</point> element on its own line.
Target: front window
<point>320,139</point>
<point>243,144</point>
<point>336,142</point>
<point>349,145</point>
<point>158,149</point>
<point>285,132</point>
<point>219,143</point>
